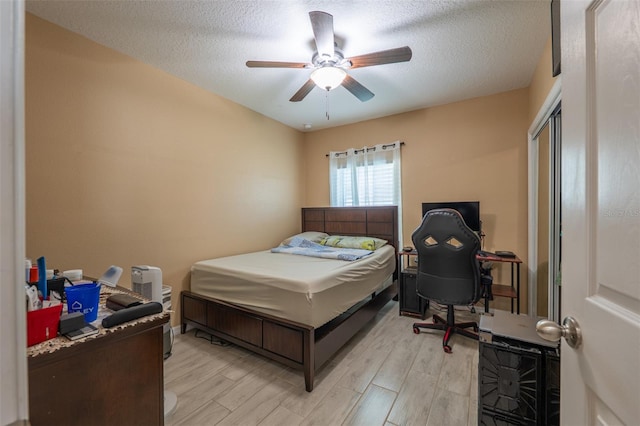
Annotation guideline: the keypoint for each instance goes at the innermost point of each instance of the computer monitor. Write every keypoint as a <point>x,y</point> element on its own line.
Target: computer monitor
<point>470,211</point>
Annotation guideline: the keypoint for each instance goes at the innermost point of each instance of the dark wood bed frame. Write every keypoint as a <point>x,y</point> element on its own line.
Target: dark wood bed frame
<point>290,343</point>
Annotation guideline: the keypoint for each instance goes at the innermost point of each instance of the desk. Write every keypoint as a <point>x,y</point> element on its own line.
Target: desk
<point>412,304</point>
<point>113,377</point>
<point>512,290</point>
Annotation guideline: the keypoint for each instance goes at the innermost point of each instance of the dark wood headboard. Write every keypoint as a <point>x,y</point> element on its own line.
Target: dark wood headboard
<point>379,221</point>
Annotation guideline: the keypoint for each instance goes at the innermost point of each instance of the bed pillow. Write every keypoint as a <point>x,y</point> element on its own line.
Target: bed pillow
<point>314,236</point>
<point>342,241</point>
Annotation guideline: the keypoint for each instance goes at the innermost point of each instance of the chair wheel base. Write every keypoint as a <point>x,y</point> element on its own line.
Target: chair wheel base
<point>416,330</point>
<point>447,348</point>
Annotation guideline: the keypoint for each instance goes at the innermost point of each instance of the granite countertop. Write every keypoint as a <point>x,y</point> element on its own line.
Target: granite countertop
<point>60,342</point>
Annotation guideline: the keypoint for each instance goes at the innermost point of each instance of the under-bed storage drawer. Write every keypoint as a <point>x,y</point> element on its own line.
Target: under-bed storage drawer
<point>236,324</point>
<point>194,309</point>
<point>283,341</point>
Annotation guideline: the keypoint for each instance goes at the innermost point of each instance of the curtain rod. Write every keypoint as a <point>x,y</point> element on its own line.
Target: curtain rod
<point>373,148</point>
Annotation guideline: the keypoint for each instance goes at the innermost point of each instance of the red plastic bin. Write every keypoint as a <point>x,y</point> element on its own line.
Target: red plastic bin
<point>42,324</point>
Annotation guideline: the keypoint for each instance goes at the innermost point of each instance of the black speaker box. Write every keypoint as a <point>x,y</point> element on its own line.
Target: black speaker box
<point>518,384</point>
<point>552,391</point>
<point>493,419</point>
<point>510,379</point>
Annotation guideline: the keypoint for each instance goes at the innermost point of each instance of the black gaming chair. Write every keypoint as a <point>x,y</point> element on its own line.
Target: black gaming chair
<point>448,272</point>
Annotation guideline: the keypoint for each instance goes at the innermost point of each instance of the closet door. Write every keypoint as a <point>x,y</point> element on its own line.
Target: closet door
<point>546,217</point>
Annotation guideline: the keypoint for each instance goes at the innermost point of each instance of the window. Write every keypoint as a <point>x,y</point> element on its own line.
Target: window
<point>366,177</point>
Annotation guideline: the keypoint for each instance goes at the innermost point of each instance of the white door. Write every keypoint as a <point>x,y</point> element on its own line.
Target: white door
<point>600,380</point>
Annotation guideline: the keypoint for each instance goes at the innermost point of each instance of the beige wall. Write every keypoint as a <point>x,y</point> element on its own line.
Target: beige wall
<point>541,83</point>
<point>127,165</point>
<point>470,150</point>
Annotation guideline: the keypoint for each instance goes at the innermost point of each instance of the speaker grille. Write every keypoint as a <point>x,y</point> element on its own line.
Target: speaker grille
<point>510,381</point>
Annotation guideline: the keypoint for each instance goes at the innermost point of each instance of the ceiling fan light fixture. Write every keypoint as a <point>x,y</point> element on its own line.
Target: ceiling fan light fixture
<point>329,65</point>
<point>328,77</point>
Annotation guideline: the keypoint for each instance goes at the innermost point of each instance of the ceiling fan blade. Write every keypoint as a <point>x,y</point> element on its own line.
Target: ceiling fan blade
<point>322,24</point>
<point>273,64</point>
<point>303,91</point>
<point>399,54</point>
<point>357,89</point>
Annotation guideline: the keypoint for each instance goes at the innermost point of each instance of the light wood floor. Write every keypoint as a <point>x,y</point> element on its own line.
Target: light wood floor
<point>386,375</point>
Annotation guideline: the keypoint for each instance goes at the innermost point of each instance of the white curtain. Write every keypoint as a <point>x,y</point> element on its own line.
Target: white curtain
<point>369,176</point>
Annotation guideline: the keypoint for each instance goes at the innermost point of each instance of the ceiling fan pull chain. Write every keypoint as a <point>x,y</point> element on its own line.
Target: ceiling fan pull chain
<point>326,98</point>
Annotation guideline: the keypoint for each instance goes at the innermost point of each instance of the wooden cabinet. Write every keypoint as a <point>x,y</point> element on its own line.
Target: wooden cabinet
<point>410,303</point>
<point>113,378</point>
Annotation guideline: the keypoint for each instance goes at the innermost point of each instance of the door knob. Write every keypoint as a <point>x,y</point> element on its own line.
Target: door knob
<point>569,329</point>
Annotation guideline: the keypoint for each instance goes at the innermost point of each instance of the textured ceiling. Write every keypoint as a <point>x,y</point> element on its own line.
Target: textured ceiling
<point>461,49</point>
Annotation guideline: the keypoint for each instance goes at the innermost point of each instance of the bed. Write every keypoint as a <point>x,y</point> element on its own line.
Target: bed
<point>288,314</point>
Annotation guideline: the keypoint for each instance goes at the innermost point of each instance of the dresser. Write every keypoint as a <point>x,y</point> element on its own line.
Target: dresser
<point>113,377</point>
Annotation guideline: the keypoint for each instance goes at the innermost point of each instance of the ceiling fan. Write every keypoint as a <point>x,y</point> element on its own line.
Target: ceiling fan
<point>330,65</point>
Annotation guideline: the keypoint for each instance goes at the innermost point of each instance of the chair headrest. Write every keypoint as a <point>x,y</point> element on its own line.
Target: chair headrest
<point>441,223</point>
